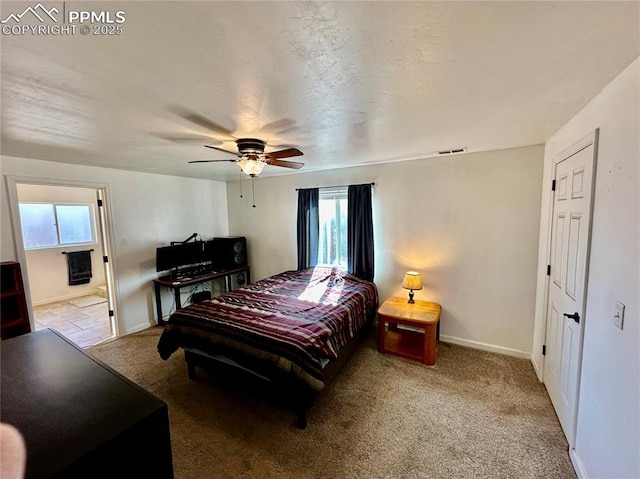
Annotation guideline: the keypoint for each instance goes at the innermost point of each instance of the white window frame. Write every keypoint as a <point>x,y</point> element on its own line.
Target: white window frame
<point>335,193</point>
<point>54,205</point>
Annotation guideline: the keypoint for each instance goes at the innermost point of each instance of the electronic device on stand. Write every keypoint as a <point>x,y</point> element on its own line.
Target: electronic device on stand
<point>193,261</point>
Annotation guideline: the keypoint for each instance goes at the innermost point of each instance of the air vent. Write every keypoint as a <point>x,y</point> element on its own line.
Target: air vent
<point>452,151</point>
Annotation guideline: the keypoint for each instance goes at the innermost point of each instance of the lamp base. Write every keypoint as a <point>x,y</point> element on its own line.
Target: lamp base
<point>411,301</point>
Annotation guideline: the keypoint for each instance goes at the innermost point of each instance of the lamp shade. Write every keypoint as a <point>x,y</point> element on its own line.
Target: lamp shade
<point>411,280</point>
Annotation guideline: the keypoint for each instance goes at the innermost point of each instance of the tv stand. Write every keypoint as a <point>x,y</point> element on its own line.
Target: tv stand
<point>177,283</point>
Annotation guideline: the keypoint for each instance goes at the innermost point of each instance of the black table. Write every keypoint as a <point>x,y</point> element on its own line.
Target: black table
<point>79,417</point>
<point>177,284</point>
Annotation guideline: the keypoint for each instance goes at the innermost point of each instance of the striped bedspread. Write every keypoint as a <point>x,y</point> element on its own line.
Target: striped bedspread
<point>297,320</point>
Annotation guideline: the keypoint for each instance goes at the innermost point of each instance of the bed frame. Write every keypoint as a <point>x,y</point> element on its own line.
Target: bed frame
<point>302,394</point>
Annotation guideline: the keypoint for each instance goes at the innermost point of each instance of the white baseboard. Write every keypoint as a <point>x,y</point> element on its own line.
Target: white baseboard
<point>537,368</point>
<point>137,328</point>
<point>486,347</point>
<point>577,464</point>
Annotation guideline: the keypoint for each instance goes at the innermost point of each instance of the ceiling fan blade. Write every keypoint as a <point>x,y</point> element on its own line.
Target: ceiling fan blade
<point>209,161</point>
<point>276,126</point>
<point>188,138</point>
<point>202,121</point>
<point>288,130</point>
<point>222,149</point>
<point>288,153</point>
<point>281,145</point>
<point>296,165</point>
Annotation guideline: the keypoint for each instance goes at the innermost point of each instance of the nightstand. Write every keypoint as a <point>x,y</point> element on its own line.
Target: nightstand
<point>403,342</point>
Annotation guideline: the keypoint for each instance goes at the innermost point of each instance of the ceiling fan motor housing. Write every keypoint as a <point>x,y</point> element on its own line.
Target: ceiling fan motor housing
<point>250,146</point>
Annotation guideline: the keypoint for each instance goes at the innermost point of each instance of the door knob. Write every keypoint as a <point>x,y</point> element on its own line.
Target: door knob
<point>574,316</point>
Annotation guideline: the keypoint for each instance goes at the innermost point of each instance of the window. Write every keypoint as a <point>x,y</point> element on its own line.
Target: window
<point>332,212</point>
<point>48,225</point>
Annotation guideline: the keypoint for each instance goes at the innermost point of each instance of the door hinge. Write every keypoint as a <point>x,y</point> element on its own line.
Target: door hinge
<point>548,270</point>
<point>105,259</point>
<point>99,203</point>
<point>544,349</point>
<point>553,185</point>
<point>111,312</point>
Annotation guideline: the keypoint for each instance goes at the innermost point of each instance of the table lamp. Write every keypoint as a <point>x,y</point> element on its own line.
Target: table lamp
<point>411,281</point>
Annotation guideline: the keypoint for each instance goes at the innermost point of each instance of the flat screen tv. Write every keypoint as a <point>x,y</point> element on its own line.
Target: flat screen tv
<point>180,255</point>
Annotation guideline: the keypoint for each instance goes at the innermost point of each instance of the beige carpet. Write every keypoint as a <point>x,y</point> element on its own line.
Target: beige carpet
<point>474,415</point>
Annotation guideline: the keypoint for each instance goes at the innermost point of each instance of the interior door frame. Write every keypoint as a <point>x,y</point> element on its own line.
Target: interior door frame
<point>12,189</point>
<point>585,142</point>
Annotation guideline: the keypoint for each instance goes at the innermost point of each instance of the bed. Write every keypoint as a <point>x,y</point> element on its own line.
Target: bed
<point>294,329</point>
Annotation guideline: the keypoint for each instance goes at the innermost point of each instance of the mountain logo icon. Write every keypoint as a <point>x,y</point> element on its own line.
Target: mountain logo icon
<point>39,11</point>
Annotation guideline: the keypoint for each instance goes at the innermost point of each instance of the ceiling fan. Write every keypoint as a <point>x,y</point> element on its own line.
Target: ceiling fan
<point>252,158</point>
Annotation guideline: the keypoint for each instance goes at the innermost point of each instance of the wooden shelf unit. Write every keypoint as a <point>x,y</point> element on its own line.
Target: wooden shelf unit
<point>14,314</point>
<point>405,343</point>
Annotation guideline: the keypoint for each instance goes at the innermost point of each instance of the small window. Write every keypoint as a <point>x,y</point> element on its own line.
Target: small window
<point>48,225</point>
<point>332,211</point>
<point>38,225</point>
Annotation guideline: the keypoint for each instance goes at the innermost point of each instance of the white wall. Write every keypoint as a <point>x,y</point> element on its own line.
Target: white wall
<point>607,441</point>
<point>146,210</point>
<point>47,268</point>
<point>468,223</point>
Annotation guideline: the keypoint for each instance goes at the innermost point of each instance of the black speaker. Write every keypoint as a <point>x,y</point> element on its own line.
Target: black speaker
<point>229,252</point>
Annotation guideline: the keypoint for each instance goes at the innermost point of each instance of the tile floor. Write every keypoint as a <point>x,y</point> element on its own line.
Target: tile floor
<point>84,325</point>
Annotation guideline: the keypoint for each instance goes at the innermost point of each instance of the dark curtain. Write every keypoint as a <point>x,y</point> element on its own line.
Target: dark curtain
<point>308,227</point>
<point>360,232</point>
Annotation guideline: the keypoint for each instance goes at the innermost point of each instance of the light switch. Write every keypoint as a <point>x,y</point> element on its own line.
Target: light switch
<point>618,315</point>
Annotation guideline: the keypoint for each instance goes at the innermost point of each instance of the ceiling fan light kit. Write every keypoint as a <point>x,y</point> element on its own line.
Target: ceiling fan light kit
<point>251,166</point>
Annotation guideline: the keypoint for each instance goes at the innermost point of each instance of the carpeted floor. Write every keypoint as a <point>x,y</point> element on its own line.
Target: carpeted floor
<point>474,415</point>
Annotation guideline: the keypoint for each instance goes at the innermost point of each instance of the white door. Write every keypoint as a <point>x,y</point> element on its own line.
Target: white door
<point>570,238</point>
<point>108,265</point>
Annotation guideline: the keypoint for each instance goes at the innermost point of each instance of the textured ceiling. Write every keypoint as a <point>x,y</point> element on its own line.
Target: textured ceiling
<point>348,83</point>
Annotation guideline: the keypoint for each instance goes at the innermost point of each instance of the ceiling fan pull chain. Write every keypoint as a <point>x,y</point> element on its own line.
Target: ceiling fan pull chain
<point>241,184</point>
<point>253,187</point>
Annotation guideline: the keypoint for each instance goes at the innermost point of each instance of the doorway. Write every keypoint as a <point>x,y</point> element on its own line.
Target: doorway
<point>53,223</point>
